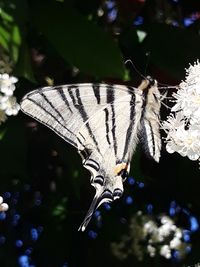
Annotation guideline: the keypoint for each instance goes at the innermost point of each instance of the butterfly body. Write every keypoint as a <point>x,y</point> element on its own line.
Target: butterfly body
<point>105,123</point>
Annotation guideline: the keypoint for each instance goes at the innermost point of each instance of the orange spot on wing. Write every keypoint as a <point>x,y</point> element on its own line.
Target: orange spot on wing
<point>119,167</point>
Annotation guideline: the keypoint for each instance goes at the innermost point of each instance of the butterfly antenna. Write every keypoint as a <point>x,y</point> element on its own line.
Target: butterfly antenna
<point>129,61</point>
<point>167,86</point>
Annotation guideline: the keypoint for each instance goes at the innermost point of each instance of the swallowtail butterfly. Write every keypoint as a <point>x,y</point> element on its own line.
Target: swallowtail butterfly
<point>104,123</point>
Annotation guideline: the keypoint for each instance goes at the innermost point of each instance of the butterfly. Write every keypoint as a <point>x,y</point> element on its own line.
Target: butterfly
<point>104,122</point>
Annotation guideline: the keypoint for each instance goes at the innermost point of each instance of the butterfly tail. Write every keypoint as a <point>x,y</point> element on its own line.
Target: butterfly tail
<point>99,198</point>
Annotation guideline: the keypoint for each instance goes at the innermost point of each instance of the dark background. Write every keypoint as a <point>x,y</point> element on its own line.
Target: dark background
<point>41,176</point>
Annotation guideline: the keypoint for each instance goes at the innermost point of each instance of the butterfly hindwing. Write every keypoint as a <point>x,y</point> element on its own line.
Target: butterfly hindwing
<point>115,134</point>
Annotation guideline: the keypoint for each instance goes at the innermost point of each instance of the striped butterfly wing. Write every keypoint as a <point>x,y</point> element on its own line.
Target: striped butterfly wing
<point>150,121</point>
<point>65,108</point>
<point>103,122</point>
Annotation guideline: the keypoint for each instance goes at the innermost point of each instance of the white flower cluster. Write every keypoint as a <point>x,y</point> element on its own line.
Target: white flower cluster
<point>152,236</point>
<point>196,265</point>
<point>6,63</point>
<point>183,124</point>
<point>3,206</point>
<point>8,102</point>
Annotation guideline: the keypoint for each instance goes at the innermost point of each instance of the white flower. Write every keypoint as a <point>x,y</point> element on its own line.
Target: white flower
<point>149,227</point>
<point>153,236</point>
<point>165,230</point>
<point>196,265</point>
<point>173,122</point>
<point>188,100</point>
<point>165,251</point>
<point>178,233</point>
<point>183,125</point>
<point>192,75</point>
<point>166,220</point>
<point>3,206</point>
<point>7,84</point>
<point>9,105</point>
<point>185,142</point>
<point>175,243</point>
<point>151,250</point>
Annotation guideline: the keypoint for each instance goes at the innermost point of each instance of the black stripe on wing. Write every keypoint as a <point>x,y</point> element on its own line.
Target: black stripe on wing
<point>63,97</point>
<point>131,123</point>
<point>111,99</point>
<point>96,90</point>
<point>99,179</point>
<point>107,125</point>
<point>93,164</point>
<point>48,125</point>
<point>51,105</point>
<point>76,100</point>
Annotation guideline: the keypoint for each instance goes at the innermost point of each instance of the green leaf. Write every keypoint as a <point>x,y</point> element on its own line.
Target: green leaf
<point>5,16</point>
<point>23,67</point>
<point>2,133</point>
<point>79,41</point>
<point>60,209</point>
<point>10,35</point>
<point>15,42</point>
<point>4,38</point>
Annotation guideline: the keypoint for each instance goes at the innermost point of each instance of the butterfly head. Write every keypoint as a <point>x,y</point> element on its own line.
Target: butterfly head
<point>147,83</point>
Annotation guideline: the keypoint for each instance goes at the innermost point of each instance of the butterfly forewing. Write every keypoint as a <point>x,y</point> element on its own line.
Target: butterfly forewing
<point>64,108</point>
